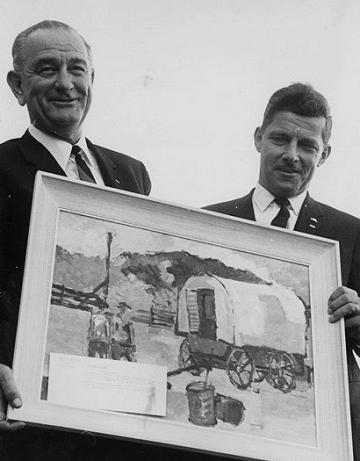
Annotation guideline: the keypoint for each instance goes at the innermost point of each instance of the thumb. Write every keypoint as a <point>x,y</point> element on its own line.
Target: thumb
<point>8,389</point>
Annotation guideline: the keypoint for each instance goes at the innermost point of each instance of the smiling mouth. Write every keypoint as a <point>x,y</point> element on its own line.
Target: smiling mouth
<point>289,172</point>
<point>63,101</point>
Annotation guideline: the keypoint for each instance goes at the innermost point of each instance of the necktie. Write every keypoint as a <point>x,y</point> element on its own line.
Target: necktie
<point>283,215</point>
<point>83,170</point>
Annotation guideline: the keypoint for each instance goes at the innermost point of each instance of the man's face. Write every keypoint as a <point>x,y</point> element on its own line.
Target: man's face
<point>122,310</point>
<point>56,82</point>
<point>291,147</point>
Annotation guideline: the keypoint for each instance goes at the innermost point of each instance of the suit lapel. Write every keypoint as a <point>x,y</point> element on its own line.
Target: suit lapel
<point>244,207</point>
<point>108,169</point>
<point>115,172</point>
<point>37,156</point>
<point>310,217</point>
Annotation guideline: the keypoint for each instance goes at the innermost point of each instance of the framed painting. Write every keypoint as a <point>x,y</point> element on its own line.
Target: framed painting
<point>234,312</point>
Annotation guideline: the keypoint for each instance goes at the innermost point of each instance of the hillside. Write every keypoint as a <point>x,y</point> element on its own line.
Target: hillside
<point>141,279</point>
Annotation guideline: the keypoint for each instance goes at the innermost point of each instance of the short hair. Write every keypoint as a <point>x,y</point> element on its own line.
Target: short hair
<point>19,42</point>
<point>300,99</point>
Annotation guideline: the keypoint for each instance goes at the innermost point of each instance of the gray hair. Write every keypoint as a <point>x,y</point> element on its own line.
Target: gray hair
<point>19,43</point>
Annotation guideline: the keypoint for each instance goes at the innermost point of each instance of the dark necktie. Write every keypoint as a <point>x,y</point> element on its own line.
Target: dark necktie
<point>83,170</point>
<point>283,215</point>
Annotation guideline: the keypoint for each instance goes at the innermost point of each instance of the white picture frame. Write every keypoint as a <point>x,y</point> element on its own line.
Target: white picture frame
<point>274,263</point>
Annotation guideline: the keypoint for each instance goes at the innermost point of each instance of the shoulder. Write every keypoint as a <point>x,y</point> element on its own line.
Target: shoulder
<point>224,207</point>
<point>231,207</point>
<point>338,217</point>
<point>9,146</point>
<point>128,171</point>
<point>11,157</point>
<point>336,224</point>
<point>115,156</point>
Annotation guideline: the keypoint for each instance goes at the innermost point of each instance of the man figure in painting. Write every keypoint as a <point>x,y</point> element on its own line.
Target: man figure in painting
<point>293,141</point>
<point>99,334</point>
<point>123,335</point>
<point>53,76</point>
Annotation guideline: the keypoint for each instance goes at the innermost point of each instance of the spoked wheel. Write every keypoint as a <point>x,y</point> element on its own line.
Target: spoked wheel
<point>259,376</point>
<point>240,368</point>
<point>281,371</point>
<point>185,358</point>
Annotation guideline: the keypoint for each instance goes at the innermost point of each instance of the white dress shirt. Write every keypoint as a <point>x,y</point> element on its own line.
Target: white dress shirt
<point>61,150</point>
<point>265,209</point>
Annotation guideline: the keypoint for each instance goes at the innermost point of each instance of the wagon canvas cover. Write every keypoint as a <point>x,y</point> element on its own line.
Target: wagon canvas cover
<point>246,313</point>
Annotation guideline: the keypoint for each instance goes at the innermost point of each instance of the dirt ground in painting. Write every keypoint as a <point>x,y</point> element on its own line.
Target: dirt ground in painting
<point>269,413</point>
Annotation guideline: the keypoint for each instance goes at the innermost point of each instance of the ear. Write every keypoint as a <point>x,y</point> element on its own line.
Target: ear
<point>257,139</point>
<point>15,82</point>
<point>325,154</point>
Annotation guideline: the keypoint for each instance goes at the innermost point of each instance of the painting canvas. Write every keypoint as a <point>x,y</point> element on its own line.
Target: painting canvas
<point>233,329</point>
<point>235,312</point>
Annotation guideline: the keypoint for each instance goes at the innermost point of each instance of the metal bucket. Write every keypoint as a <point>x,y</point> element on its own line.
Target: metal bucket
<point>201,403</point>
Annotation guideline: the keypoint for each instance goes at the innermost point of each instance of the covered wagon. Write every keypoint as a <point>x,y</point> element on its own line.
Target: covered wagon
<point>252,330</point>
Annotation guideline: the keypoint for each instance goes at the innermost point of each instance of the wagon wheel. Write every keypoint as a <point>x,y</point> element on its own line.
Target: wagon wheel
<point>281,371</point>
<point>240,368</point>
<point>259,376</point>
<point>186,359</point>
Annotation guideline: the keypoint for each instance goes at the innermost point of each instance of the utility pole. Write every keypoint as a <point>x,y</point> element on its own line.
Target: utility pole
<point>105,283</point>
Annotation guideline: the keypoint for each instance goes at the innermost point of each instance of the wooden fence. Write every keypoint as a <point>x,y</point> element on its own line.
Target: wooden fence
<point>75,299</point>
<point>161,316</point>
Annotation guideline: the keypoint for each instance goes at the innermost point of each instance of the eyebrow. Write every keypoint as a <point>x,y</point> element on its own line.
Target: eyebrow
<point>279,132</point>
<point>283,131</point>
<point>77,60</point>
<point>302,138</point>
<point>44,60</point>
<point>55,60</point>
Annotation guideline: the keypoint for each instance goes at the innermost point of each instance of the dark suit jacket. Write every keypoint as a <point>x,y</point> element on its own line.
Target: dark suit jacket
<point>20,159</point>
<point>322,220</point>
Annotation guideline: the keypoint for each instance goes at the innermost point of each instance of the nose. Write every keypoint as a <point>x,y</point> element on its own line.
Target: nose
<point>64,80</point>
<point>291,151</point>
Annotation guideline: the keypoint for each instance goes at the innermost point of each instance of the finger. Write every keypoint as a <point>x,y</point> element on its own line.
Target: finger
<point>342,301</point>
<point>6,379</point>
<point>6,425</point>
<point>349,309</point>
<point>340,291</point>
<point>11,426</point>
<point>9,389</point>
<point>336,293</point>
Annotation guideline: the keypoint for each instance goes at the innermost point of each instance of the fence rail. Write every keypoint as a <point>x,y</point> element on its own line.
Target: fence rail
<point>75,299</point>
<point>160,316</point>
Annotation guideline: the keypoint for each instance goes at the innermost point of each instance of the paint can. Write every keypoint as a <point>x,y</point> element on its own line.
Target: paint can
<point>229,409</point>
<point>201,403</point>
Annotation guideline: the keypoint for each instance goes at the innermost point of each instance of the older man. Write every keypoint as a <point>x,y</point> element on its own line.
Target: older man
<point>53,76</point>
<point>293,141</point>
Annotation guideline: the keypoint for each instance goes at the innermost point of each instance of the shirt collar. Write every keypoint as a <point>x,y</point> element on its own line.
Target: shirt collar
<point>263,199</point>
<point>57,147</point>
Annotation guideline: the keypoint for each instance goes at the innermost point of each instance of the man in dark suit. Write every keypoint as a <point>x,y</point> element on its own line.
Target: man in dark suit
<point>293,141</point>
<point>53,76</point>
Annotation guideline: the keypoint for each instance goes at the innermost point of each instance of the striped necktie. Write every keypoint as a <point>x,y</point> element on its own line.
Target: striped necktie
<point>283,215</point>
<point>83,170</point>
